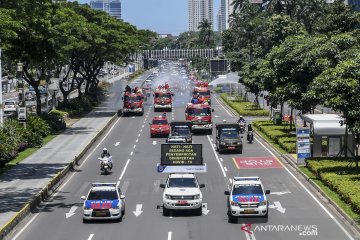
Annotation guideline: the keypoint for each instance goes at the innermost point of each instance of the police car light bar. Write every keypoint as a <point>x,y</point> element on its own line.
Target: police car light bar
<point>104,184</point>
<point>246,179</point>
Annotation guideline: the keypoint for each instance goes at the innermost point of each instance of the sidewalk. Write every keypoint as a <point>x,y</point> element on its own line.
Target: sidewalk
<point>25,180</point>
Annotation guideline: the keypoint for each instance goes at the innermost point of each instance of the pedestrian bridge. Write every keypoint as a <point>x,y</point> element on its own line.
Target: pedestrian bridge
<point>174,54</point>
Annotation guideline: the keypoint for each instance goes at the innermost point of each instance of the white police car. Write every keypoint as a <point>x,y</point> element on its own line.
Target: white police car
<point>104,201</point>
<point>247,198</point>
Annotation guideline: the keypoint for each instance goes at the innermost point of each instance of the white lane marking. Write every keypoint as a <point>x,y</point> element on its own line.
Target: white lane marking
<point>312,195</point>
<point>91,236</point>
<point>279,193</point>
<point>217,158</point>
<point>64,184</point>
<point>134,146</point>
<point>137,140</point>
<point>169,235</point>
<point>131,153</point>
<point>154,143</point>
<point>230,180</point>
<point>277,206</point>
<point>138,210</point>
<point>142,126</point>
<point>221,160</point>
<point>140,130</point>
<point>224,108</point>
<point>71,211</point>
<point>133,117</point>
<point>139,135</point>
<point>117,144</point>
<point>124,169</point>
<point>225,169</point>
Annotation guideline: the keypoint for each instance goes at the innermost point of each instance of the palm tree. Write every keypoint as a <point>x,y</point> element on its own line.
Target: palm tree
<point>205,33</point>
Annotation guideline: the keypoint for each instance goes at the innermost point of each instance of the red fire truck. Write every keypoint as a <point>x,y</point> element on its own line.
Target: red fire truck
<point>133,102</point>
<point>202,90</point>
<point>163,99</point>
<point>200,116</point>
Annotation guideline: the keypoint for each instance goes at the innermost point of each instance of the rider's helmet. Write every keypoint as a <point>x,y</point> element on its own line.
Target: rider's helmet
<point>105,151</point>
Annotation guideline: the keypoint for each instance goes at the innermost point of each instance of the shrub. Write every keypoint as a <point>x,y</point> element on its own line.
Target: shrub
<point>244,108</point>
<point>279,134</point>
<point>339,176</point>
<point>56,120</point>
<point>37,125</point>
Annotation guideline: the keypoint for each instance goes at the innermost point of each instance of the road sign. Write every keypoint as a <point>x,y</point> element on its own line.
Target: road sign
<point>181,154</point>
<point>256,162</point>
<point>303,148</point>
<point>218,65</point>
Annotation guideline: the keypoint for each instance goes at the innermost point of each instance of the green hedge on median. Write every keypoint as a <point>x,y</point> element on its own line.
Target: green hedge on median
<point>244,108</point>
<point>280,134</point>
<point>341,177</point>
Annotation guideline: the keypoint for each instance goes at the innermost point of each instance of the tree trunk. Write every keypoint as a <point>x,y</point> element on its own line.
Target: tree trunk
<point>291,118</point>
<point>38,101</point>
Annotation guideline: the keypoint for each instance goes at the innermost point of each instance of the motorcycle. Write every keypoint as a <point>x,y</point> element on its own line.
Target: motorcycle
<point>105,164</point>
<point>242,127</point>
<point>250,137</point>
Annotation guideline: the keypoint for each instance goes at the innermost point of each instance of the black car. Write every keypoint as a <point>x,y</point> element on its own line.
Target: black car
<point>228,137</point>
<point>180,132</point>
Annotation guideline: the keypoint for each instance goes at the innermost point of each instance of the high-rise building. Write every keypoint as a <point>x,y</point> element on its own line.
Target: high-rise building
<point>229,10</point>
<point>219,21</point>
<point>199,10</point>
<point>223,9</point>
<point>112,7</point>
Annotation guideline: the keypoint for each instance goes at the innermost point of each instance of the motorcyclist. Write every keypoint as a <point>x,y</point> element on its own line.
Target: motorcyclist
<point>250,132</point>
<point>241,120</point>
<point>105,153</point>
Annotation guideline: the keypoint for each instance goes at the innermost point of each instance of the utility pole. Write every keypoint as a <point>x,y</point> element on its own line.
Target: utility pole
<point>1,96</point>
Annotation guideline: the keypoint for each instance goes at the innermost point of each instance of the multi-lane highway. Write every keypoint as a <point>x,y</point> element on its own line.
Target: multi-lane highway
<point>295,212</point>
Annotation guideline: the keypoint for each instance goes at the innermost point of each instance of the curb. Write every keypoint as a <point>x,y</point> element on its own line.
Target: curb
<point>284,157</point>
<point>52,185</point>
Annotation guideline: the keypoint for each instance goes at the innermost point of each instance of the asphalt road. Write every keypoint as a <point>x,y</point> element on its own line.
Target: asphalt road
<point>26,179</point>
<point>135,154</point>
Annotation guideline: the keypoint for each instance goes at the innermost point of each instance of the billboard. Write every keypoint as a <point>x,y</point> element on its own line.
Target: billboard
<point>181,154</point>
<point>218,65</point>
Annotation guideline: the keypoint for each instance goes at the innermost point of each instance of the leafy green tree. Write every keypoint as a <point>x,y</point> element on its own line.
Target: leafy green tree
<point>163,43</point>
<point>188,40</point>
<point>338,18</point>
<point>34,43</point>
<point>339,88</point>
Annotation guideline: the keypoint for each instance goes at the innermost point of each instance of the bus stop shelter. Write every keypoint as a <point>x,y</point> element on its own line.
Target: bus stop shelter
<point>328,128</point>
